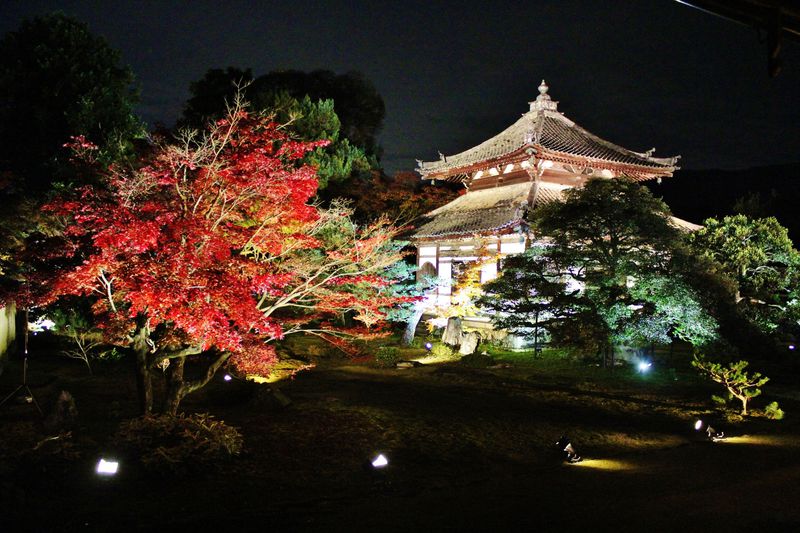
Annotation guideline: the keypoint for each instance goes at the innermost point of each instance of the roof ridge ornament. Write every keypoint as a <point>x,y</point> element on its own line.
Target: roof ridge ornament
<point>543,101</point>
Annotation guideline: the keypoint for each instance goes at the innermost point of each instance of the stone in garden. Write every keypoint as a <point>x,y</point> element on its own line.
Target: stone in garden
<point>63,415</point>
<point>453,334</point>
<point>469,343</point>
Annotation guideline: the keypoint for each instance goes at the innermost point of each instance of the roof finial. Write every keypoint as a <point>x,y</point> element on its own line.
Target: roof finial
<point>543,88</point>
<point>543,101</point>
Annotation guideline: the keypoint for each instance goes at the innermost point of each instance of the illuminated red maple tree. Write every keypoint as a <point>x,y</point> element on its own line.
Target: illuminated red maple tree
<point>212,247</point>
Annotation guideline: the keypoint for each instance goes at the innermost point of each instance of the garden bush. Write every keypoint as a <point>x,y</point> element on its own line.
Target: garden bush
<point>478,360</point>
<point>442,351</point>
<point>169,444</point>
<point>387,356</point>
<point>720,402</point>
<point>773,411</point>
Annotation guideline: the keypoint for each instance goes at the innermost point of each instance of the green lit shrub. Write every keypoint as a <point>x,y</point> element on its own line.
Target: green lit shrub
<point>442,351</point>
<point>387,356</point>
<point>167,444</point>
<point>773,411</point>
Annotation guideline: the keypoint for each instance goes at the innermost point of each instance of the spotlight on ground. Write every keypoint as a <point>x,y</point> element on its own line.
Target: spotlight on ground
<point>380,461</point>
<point>565,445</point>
<point>645,366</point>
<point>107,468</point>
<point>227,377</point>
<point>698,425</point>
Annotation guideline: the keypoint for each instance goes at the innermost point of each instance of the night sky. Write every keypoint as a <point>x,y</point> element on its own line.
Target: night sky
<point>639,73</point>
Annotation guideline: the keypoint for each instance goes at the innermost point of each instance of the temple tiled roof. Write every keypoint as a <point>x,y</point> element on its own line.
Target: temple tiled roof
<point>486,211</point>
<point>495,211</point>
<point>684,225</point>
<point>549,133</point>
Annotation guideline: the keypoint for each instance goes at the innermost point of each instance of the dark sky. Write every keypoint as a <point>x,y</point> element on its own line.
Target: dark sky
<point>639,73</point>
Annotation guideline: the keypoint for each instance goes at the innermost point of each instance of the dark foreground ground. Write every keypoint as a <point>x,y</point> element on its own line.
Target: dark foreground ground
<point>469,450</point>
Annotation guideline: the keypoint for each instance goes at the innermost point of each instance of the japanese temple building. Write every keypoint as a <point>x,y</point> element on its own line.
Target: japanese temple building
<point>530,163</point>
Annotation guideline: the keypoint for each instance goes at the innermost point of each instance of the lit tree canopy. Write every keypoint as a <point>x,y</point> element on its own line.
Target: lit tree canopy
<point>760,257</point>
<point>607,273</point>
<point>315,106</point>
<point>211,245</point>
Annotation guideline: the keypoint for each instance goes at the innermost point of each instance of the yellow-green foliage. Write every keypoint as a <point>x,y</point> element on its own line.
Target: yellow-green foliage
<point>773,411</point>
<point>733,377</point>
<point>441,351</point>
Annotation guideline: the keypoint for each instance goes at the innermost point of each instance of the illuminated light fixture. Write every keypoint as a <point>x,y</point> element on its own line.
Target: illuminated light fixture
<point>508,168</point>
<point>565,445</point>
<point>428,346</point>
<point>698,425</point>
<point>227,377</point>
<point>107,468</point>
<point>380,461</point>
<point>792,346</point>
<point>714,435</point>
<point>493,171</point>
<point>645,366</point>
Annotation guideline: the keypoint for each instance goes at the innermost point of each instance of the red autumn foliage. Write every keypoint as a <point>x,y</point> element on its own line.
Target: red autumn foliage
<point>212,243</point>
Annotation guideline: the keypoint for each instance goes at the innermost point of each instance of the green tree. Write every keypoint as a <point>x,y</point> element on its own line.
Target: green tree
<point>530,298</point>
<point>760,257</point>
<point>310,118</point>
<point>358,104</point>
<point>734,378</point>
<point>665,308</point>
<point>314,121</point>
<point>609,273</point>
<point>58,80</point>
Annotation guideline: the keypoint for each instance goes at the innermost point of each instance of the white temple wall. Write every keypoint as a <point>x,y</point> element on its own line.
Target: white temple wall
<point>441,255</point>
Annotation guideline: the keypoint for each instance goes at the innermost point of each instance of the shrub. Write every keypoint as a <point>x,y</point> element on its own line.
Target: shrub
<point>387,356</point>
<point>174,444</point>
<point>720,401</point>
<point>478,360</point>
<point>773,412</point>
<point>442,351</point>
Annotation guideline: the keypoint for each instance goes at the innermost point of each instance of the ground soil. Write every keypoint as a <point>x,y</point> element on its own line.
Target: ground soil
<point>470,449</point>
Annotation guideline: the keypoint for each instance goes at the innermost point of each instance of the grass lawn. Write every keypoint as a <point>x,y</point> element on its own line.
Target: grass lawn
<point>468,448</point>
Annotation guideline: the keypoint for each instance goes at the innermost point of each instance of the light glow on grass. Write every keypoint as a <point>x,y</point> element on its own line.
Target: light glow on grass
<point>107,468</point>
<point>611,465</point>
<point>757,440</point>
<point>429,359</point>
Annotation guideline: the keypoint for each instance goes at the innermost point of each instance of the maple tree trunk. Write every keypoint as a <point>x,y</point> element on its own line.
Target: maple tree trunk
<point>144,384</point>
<point>175,388</point>
<point>178,388</point>
<point>411,326</point>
